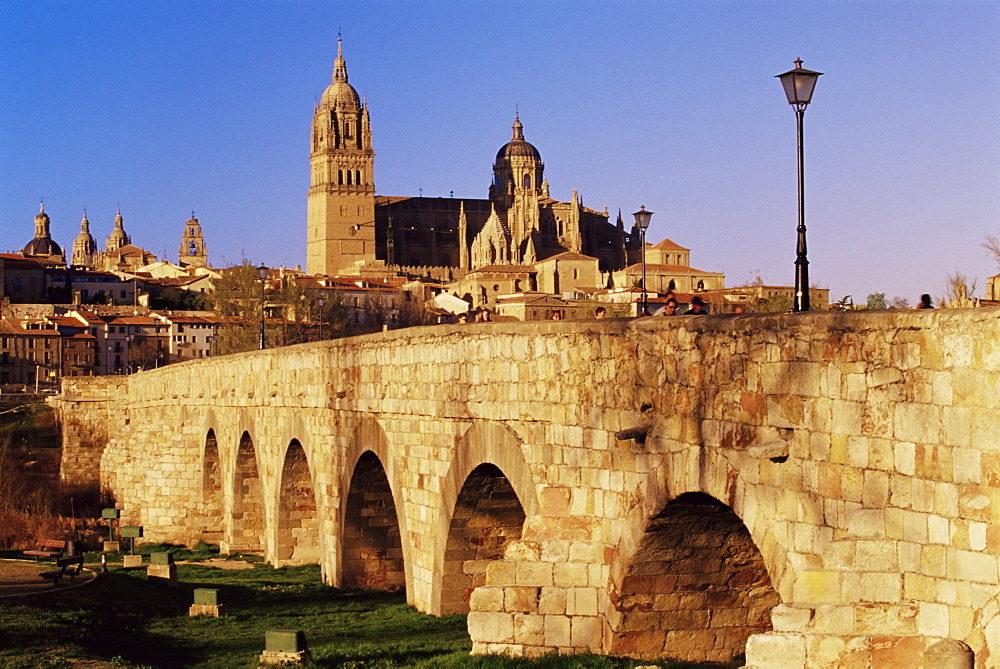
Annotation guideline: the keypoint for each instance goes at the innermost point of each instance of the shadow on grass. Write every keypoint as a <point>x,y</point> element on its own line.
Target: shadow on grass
<point>123,619</point>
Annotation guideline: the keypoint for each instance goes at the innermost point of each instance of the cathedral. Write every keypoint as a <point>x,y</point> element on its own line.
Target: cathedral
<point>351,229</point>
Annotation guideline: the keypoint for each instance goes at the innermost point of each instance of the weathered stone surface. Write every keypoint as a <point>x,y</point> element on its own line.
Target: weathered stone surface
<point>469,464</point>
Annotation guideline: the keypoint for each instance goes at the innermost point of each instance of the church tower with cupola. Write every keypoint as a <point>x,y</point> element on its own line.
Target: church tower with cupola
<point>518,183</point>
<point>341,201</point>
<point>193,252</point>
<point>84,246</point>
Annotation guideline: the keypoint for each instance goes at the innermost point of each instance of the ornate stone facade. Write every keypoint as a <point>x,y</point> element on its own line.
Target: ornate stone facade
<point>821,489</point>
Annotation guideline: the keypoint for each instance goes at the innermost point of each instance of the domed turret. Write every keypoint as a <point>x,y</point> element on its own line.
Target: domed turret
<point>517,147</point>
<point>42,245</point>
<point>118,237</point>
<point>84,246</point>
<point>340,95</point>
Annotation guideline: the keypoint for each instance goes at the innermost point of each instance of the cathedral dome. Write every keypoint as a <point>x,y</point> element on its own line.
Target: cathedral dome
<point>42,246</point>
<point>517,147</point>
<point>341,95</point>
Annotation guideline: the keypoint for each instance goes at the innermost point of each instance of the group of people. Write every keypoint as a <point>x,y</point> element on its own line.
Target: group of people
<point>483,315</point>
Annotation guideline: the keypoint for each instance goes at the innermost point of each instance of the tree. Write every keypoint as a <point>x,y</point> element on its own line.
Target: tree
<point>958,288</point>
<point>899,303</point>
<point>992,244</point>
<point>877,301</point>
<point>237,300</point>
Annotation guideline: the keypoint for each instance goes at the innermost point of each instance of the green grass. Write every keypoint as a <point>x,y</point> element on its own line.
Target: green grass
<point>125,620</point>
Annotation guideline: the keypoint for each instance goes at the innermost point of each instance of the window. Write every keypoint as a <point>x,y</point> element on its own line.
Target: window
<point>123,294</point>
<point>121,329</point>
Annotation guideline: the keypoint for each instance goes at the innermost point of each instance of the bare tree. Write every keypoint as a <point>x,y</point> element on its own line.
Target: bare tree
<point>958,288</point>
<point>899,303</point>
<point>992,244</point>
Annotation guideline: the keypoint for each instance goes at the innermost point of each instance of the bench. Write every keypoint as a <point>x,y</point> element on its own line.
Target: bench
<point>67,566</point>
<point>48,548</point>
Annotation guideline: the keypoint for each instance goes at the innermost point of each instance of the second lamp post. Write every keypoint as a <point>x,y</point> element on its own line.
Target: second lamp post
<point>262,275</point>
<point>642,222</point>
<point>799,84</point>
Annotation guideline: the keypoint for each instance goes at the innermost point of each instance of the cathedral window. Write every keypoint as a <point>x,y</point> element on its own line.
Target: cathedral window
<point>357,177</point>
<point>349,178</point>
<point>340,177</point>
<point>527,181</point>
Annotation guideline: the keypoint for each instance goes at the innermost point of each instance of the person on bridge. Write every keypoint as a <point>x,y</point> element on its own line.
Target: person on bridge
<point>925,302</point>
<point>671,308</point>
<point>698,307</point>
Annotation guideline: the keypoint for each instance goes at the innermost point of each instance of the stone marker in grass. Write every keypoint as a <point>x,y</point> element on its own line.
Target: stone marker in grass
<point>206,603</point>
<point>131,532</point>
<point>283,646</point>
<point>162,568</point>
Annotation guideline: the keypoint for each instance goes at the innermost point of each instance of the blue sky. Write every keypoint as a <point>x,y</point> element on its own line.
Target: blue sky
<point>168,107</point>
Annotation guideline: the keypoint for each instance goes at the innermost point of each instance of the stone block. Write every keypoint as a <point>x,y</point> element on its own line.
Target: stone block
<point>212,610</point>
<point>552,601</point>
<point>529,630</point>
<point>557,631</point>
<point>533,573</point>
<point>880,587</point>
<point>890,619</point>
<point>206,596</point>
<point>164,573</point>
<point>520,599</point>
<point>585,632</point>
<point>776,651</point>
<point>786,618</point>
<point>491,627</point>
<point>487,598</point>
<point>581,602</point>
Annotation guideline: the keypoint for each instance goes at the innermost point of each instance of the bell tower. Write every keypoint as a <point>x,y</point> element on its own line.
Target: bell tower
<point>193,252</point>
<point>341,201</point>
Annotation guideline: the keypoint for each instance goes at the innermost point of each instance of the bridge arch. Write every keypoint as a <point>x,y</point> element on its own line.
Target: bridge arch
<point>297,523</point>
<point>695,588</point>
<point>247,512</point>
<point>489,457</point>
<point>213,503</point>
<point>372,544</point>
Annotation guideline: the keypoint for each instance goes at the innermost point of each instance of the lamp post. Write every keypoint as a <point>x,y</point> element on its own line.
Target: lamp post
<point>642,222</point>
<point>799,84</point>
<point>262,275</point>
<point>321,303</point>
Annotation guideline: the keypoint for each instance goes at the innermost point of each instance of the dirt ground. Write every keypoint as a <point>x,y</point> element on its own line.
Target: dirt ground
<point>21,577</point>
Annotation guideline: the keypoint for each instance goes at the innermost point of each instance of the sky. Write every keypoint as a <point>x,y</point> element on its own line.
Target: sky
<point>164,108</point>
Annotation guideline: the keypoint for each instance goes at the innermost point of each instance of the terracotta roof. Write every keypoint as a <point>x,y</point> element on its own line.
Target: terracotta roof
<point>568,255</point>
<point>504,269</point>
<point>670,245</point>
<point>673,269</point>
<point>135,320</point>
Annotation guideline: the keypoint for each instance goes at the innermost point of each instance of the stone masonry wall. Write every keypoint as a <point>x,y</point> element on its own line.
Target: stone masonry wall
<point>860,450</point>
<point>84,418</point>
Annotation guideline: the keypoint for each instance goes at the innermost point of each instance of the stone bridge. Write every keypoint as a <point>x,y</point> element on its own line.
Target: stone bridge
<point>815,489</point>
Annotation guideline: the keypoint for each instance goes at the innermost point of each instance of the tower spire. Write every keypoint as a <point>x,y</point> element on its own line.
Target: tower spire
<point>340,65</point>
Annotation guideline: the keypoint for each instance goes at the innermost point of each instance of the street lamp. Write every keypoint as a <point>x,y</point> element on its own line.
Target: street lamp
<point>642,222</point>
<point>799,84</point>
<point>262,275</point>
<point>321,302</point>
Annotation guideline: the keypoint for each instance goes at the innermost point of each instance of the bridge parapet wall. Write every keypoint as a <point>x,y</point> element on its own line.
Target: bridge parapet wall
<point>861,452</point>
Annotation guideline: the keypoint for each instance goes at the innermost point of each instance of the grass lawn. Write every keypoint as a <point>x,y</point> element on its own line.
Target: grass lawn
<point>125,620</point>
